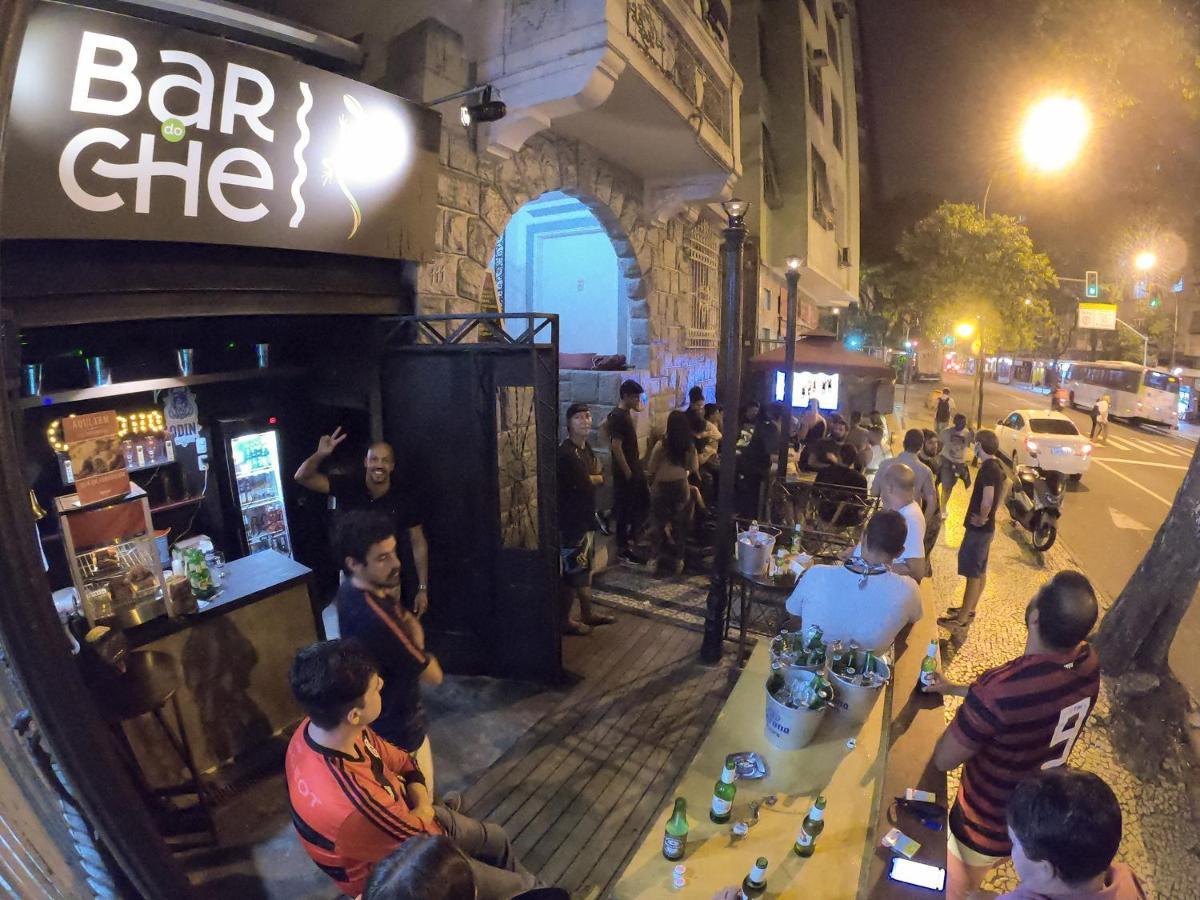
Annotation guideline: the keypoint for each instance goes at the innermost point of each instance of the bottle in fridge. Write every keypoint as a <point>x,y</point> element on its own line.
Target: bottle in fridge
<point>254,459</point>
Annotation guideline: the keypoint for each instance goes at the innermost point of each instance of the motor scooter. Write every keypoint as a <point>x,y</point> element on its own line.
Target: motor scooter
<point>1034,501</point>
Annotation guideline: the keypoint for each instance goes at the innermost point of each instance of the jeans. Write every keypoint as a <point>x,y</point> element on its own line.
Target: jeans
<point>498,874</point>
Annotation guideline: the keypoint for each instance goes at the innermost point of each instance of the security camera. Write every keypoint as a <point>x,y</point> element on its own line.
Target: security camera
<point>486,109</point>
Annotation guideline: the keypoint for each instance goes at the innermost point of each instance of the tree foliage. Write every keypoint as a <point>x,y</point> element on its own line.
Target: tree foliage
<point>960,266</point>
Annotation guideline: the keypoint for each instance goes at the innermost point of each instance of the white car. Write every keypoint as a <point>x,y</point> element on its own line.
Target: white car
<point>1045,440</point>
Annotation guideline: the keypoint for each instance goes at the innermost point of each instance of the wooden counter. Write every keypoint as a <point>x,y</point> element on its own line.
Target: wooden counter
<point>858,785</point>
<point>233,656</point>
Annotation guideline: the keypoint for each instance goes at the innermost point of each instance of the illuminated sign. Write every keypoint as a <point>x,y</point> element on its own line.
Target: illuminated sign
<point>148,422</point>
<point>122,128</point>
<point>1098,315</point>
<point>807,386</point>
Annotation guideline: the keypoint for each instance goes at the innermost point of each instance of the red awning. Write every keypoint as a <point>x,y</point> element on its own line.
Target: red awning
<point>824,355</point>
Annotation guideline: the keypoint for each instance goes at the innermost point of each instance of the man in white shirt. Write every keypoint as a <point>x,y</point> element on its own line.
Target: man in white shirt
<point>926,490</point>
<point>861,600</point>
<point>897,490</point>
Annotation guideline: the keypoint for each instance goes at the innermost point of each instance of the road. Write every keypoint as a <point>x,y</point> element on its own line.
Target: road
<point>1111,517</point>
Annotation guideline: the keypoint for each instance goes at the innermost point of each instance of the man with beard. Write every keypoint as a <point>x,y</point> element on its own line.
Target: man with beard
<point>367,609</point>
<point>374,488</point>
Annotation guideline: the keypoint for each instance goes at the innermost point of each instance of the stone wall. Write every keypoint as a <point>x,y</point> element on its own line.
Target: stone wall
<point>477,197</point>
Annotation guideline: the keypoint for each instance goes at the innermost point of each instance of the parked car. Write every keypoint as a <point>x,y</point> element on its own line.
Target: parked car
<point>1045,440</point>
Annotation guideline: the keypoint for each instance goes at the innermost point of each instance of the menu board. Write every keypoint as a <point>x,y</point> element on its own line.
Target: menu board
<point>97,459</point>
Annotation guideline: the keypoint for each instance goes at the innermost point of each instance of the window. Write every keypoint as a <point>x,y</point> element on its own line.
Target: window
<point>1052,426</point>
<point>1013,421</point>
<point>822,210</point>
<point>772,196</point>
<point>811,6</point>
<point>816,88</point>
<point>835,121</point>
<point>701,244</point>
<point>831,39</point>
<point>1161,381</point>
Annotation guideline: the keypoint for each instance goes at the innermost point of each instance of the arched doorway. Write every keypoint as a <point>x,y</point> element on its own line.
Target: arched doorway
<point>563,254</point>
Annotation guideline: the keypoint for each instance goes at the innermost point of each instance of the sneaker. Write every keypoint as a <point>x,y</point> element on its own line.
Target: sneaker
<point>631,559</point>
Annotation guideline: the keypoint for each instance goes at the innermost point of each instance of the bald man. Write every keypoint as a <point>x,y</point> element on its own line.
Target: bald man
<point>373,488</point>
<point>897,491</point>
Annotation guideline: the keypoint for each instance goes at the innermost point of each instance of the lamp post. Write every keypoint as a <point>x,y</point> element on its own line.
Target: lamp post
<point>1051,138</point>
<point>1147,261</point>
<point>729,377</point>
<point>789,362</point>
<point>966,330</point>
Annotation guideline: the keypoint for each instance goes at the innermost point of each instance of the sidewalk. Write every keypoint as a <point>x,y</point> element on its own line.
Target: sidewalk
<point>1161,840</point>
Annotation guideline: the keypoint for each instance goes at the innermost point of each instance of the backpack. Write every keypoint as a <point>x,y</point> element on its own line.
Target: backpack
<point>943,410</point>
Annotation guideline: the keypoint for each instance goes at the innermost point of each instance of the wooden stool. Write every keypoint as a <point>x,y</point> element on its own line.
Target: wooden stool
<point>150,682</point>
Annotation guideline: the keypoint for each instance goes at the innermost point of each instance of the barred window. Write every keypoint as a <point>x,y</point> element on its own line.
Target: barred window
<point>702,245</point>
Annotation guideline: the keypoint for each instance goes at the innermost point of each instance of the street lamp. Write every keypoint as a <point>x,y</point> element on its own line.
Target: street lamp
<point>729,378</point>
<point>1145,260</point>
<point>1051,138</point>
<point>965,330</point>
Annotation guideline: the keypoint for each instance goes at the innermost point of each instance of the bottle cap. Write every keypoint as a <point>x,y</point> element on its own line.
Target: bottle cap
<point>679,871</point>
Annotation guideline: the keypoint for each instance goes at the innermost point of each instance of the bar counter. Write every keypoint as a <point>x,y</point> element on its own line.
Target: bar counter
<point>233,657</point>
<point>890,753</point>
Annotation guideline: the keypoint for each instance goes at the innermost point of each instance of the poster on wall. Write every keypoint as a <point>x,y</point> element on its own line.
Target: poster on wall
<point>125,129</point>
<point>182,416</point>
<point>97,459</point>
<point>806,386</point>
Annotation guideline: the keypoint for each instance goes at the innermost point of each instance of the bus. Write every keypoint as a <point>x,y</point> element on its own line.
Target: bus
<point>1138,393</point>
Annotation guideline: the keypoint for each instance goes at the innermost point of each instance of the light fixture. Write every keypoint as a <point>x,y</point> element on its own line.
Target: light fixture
<point>1145,260</point>
<point>837,310</point>
<point>1054,133</point>
<point>735,209</point>
<point>485,109</point>
<point>964,329</point>
<point>1029,301</point>
<point>793,263</point>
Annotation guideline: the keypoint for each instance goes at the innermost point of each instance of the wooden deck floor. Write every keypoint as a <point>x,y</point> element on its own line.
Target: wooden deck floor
<point>578,790</point>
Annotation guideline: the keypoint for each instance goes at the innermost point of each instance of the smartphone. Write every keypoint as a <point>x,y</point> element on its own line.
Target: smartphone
<point>918,874</point>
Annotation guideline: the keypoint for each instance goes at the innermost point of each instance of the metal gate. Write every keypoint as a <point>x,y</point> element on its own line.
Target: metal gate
<point>470,405</point>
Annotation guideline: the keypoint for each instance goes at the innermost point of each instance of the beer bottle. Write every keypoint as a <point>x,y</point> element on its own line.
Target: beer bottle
<point>929,666</point>
<point>755,884</point>
<point>868,668</point>
<point>675,838</point>
<point>723,792</point>
<point>810,829</point>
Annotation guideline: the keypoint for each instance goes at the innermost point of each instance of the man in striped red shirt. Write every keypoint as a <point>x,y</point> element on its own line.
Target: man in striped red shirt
<point>355,798</point>
<point>1017,719</point>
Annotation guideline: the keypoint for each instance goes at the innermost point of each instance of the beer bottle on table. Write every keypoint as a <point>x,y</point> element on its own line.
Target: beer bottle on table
<point>675,838</point>
<point>810,829</point>
<point>868,668</point>
<point>928,666</point>
<point>723,793</point>
<point>754,884</point>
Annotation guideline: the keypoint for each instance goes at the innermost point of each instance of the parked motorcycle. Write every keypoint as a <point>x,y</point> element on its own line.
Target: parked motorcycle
<point>1035,501</point>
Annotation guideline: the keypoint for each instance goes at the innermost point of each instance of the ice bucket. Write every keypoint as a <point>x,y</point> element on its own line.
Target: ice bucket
<point>754,551</point>
<point>787,728</point>
<point>853,701</point>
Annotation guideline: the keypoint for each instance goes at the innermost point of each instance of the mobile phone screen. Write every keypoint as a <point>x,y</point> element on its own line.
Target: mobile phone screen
<point>919,874</point>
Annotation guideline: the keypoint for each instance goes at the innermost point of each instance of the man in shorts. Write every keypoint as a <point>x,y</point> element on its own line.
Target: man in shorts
<point>579,473</point>
<point>1016,720</point>
<point>980,524</point>
<point>952,461</point>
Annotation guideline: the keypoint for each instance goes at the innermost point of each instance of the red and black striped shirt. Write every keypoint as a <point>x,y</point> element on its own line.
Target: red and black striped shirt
<point>1020,717</point>
<point>349,810</point>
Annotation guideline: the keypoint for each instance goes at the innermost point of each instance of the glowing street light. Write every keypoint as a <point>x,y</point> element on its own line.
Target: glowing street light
<point>1145,261</point>
<point>964,329</point>
<point>1054,133</point>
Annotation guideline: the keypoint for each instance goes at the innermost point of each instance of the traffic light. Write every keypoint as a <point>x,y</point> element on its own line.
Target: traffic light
<point>1155,302</point>
<point>1092,280</point>
<point>948,340</point>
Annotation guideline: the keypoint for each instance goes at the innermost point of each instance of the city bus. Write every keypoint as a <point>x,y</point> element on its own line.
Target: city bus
<point>1138,393</point>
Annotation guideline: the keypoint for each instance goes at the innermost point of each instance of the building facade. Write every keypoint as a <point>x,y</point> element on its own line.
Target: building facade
<point>800,152</point>
<point>591,197</point>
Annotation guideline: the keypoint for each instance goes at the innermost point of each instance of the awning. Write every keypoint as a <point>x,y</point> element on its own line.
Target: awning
<point>824,355</point>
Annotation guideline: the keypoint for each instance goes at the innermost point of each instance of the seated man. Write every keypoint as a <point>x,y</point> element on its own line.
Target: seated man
<point>355,798</point>
<point>840,490</point>
<point>861,600</point>
<point>1065,827</point>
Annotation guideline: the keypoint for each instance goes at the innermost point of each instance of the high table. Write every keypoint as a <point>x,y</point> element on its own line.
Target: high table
<point>891,751</point>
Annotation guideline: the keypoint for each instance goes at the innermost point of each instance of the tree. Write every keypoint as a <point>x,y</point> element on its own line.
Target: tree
<point>960,265</point>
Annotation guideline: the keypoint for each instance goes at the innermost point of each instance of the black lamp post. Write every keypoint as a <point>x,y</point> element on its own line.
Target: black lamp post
<point>729,378</point>
<point>789,364</point>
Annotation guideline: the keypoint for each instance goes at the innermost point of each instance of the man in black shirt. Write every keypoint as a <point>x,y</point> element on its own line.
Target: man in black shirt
<point>368,609</point>
<point>986,498</point>
<point>631,496</point>
<point>374,488</point>
<point>578,474</point>
<point>695,415</point>
<point>840,488</point>
<point>754,464</point>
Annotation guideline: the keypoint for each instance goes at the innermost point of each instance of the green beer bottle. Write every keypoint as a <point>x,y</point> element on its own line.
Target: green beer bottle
<point>812,826</point>
<point>675,838</point>
<point>723,793</point>
<point>928,666</point>
<point>754,884</point>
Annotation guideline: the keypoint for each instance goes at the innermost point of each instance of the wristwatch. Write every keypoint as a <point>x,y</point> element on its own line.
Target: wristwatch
<point>422,587</point>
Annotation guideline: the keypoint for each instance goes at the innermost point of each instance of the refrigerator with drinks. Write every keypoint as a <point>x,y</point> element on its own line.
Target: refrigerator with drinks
<point>256,480</point>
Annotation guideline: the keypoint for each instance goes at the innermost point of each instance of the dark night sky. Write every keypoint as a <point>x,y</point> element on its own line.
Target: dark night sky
<point>947,82</point>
